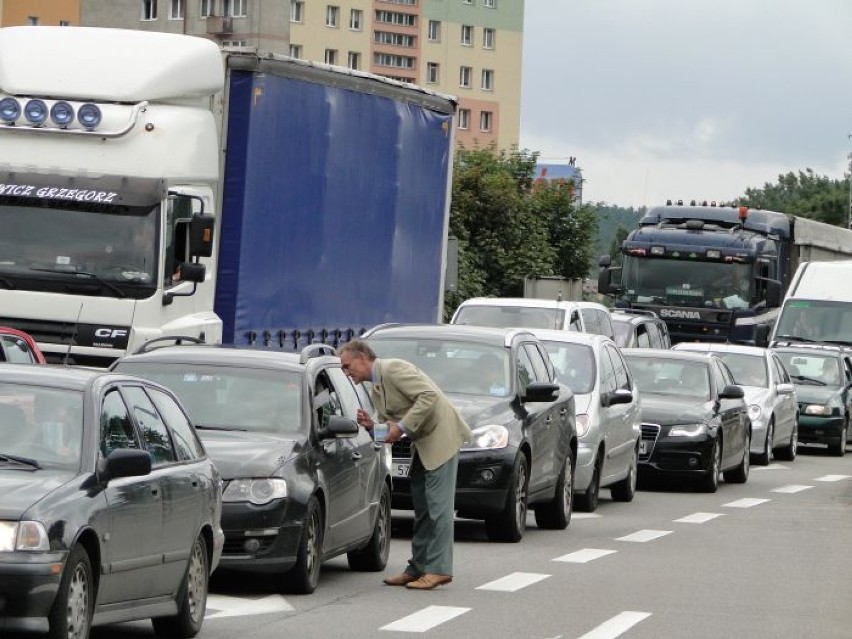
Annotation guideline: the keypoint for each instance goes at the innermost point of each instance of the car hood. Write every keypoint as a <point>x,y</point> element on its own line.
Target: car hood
<point>241,454</point>
<point>807,394</point>
<point>669,409</point>
<point>756,395</point>
<point>479,409</point>
<point>582,403</point>
<point>22,488</point>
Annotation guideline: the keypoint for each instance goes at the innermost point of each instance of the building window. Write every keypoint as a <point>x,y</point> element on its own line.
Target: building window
<point>394,17</point>
<point>32,21</point>
<point>295,50</point>
<point>464,118</point>
<point>233,44</point>
<point>491,4</point>
<point>176,10</point>
<point>234,8</point>
<point>390,60</point>
<point>354,60</point>
<point>466,35</point>
<point>408,2</point>
<point>395,39</point>
<point>297,11</point>
<point>467,1</point>
<point>331,56</point>
<point>485,118</point>
<point>432,69</point>
<point>208,8</point>
<point>149,9</point>
<point>434,31</point>
<point>487,80</point>
<point>356,17</point>
<point>487,38</point>
<point>332,15</point>
<point>64,23</point>
<point>465,74</point>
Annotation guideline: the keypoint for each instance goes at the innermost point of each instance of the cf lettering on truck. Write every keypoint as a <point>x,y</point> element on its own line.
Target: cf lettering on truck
<point>152,186</point>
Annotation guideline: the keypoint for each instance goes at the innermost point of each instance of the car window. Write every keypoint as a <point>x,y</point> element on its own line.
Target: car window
<point>622,378</point>
<point>510,316</point>
<point>623,331</point>
<point>155,435</point>
<point>116,427</point>
<point>780,373</point>
<point>812,368</point>
<point>748,370</point>
<point>608,379</point>
<point>719,378</point>
<point>576,324</point>
<point>16,350</point>
<point>365,402</point>
<point>664,334</point>
<point>345,392</point>
<point>591,319</point>
<point>526,372</point>
<point>326,400</point>
<point>670,376</point>
<point>653,335</point>
<point>187,444</point>
<point>643,339</point>
<point>574,365</point>
<point>542,374</point>
<point>606,324</point>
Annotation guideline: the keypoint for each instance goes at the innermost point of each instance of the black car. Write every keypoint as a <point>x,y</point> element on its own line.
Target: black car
<point>109,506</point>
<point>823,379</point>
<point>695,422</point>
<point>525,441</point>
<point>303,482</point>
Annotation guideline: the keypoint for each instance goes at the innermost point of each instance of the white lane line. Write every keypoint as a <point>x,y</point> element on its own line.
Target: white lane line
<point>219,606</point>
<point>770,467</point>
<point>617,626</point>
<point>698,518</point>
<point>641,536</point>
<point>584,556</point>
<point>425,619</point>
<point>513,582</point>
<point>832,478</point>
<point>584,516</point>
<point>747,502</point>
<point>792,488</point>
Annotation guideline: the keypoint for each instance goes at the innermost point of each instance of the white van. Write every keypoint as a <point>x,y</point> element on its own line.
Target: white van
<point>523,312</point>
<point>818,305</point>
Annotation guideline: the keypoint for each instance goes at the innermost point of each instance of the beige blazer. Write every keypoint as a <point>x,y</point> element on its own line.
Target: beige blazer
<point>402,392</point>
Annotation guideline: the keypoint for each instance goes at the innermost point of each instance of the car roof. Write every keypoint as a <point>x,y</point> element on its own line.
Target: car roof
<point>665,353</point>
<point>221,355</point>
<point>819,349</point>
<point>719,347</point>
<point>625,318</point>
<point>532,302</point>
<point>485,334</point>
<point>59,376</point>
<point>573,337</point>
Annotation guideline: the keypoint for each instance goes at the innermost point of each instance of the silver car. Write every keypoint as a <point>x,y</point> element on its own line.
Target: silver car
<point>769,394</point>
<point>607,409</point>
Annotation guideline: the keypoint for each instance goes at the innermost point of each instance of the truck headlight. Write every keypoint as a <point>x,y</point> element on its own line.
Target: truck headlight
<point>489,437</point>
<point>818,409</point>
<point>255,491</point>
<point>754,412</point>
<point>687,430</point>
<point>23,535</point>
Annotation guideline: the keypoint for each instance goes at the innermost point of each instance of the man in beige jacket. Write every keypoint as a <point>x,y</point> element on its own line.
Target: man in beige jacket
<point>409,402</point>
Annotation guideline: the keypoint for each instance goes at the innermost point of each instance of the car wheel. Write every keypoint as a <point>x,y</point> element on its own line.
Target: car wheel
<point>192,597</point>
<point>839,449</point>
<point>374,556</point>
<point>556,514</point>
<point>625,490</point>
<point>788,453</point>
<point>765,458</point>
<point>739,475</point>
<point>71,614</point>
<point>588,501</point>
<point>710,482</point>
<point>509,524</point>
<point>304,576</point>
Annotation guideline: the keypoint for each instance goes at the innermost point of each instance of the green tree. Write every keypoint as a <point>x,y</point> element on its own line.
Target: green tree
<point>805,194</point>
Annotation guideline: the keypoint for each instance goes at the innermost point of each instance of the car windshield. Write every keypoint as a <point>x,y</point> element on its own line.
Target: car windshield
<point>748,370</point>
<point>510,316</point>
<point>41,424</point>
<point>623,331</point>
<point>231,397</point>
<point>467,368</point>
<point>812,369</point>
<point>574,364</point>
<point>812,321</point>
<point>670,377</point>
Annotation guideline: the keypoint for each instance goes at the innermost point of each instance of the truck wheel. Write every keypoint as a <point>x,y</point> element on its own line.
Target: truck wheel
<point>556,514</point>
<point>509,524</point>
<point>71,614</point>
<point>192,597</point>
<point>304,576</point>
<point>374,556</point>
<point>739,475</point>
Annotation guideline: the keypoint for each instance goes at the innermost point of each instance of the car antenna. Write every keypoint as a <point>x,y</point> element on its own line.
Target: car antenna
<point>73,336</point>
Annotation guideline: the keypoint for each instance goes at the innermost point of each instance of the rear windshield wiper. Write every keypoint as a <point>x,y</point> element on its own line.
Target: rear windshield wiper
<point>6,457</point>
<point>87,274</point>
<point>206,427</point>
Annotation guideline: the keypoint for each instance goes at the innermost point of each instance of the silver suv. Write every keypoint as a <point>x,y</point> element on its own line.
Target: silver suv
<point>639,329</point>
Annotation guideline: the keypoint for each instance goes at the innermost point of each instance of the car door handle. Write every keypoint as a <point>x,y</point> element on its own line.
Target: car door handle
<point>356,456</point>
<point>549,420</point>
<point>563,412</point>
<point>155,491</point>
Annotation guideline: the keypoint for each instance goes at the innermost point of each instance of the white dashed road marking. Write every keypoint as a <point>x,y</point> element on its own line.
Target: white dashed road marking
<point>770,467</point>
<point>747,502</point>
<point>584,556</point>
<point>425,619</point>
<point>616,626</point>
<point>698,518</point>
<point>584,516</point>
<point>220,606</point>
<point>513,582</point>
<point>792,488</point>
<point>645,535</point>
<point>832,478</point>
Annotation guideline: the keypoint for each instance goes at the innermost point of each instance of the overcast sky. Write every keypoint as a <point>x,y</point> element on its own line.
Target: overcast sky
<point>687,99</point>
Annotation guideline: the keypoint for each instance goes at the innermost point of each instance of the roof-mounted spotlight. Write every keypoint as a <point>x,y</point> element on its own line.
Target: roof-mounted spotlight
<point>35,111</point>
<point>62,114</point>
<point>10,110</point>
<point>89,115</point>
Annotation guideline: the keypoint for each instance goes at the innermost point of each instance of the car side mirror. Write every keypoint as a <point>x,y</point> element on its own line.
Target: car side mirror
<point>785,388</point>
<point>732,391</point>
<point>338,427</point>
<point>540,392</point>
<point>125,462</point>
<point>619,396</point>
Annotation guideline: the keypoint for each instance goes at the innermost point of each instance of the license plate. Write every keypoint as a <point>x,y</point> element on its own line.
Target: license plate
<point>644,447</point>
<point>400,469</point>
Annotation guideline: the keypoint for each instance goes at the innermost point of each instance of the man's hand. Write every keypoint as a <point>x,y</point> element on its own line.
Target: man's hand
<point>394,432</point>
<point>364,419</point>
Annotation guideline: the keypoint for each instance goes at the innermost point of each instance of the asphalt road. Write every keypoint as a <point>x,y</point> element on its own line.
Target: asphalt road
<point>767,559</point>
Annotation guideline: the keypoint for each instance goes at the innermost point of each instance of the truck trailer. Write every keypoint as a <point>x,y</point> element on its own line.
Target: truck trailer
<point>717,273</point>
<point>152,185</point>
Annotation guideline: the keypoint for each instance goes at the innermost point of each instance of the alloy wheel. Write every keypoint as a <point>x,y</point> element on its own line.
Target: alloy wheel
<point>78,603</point>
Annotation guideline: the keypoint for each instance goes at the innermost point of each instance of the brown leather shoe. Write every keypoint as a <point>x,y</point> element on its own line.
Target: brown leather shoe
<point>428,581</point>
<point>401,579</point>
